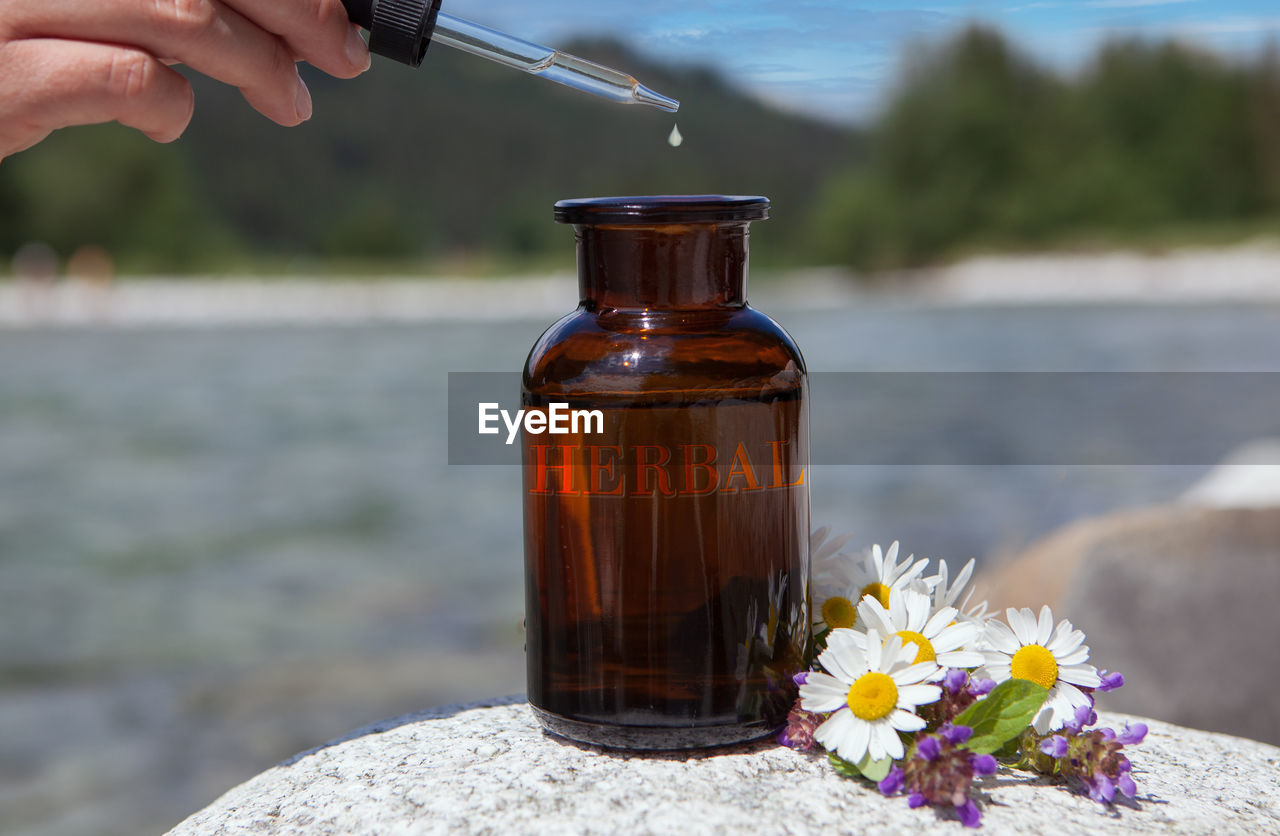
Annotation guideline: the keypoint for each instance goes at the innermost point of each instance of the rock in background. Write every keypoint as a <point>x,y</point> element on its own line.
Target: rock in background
<point>1181,599</point>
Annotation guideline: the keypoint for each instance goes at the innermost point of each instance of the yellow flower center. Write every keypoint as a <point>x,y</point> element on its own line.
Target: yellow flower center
<point>878,591</point>
<point>1035,663</point>
<point>873,696</point>
<point>838,612</point>
<point>924,650</point>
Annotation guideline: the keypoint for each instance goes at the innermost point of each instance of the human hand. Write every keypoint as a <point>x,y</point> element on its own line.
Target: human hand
<point>79,62</point>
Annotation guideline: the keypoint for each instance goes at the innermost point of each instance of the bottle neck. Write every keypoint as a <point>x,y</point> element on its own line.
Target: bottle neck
<point>667,267</point>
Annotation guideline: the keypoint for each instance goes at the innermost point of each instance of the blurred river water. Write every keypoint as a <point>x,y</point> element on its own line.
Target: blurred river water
<point>220,546</point>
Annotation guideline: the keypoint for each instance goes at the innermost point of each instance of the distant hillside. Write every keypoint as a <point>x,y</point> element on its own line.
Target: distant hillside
<point>981,146</point>
<point>459,157</point>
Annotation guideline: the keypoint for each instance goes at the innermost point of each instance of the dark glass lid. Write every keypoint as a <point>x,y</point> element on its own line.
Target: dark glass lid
<point>662,209</point>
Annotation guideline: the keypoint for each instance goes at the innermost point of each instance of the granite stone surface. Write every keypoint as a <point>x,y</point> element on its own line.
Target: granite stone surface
<point>488,768</point>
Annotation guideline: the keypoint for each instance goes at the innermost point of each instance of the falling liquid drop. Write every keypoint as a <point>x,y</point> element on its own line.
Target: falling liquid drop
<point>675,139</point>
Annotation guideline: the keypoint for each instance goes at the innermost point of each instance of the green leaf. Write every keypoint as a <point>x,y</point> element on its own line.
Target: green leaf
<point>1010,751</point>
<point>1001,717</point>
<point>843,767</point>
<point>874,770</point>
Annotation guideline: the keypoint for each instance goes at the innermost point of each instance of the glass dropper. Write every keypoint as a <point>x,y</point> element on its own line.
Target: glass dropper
<point>402,30</point>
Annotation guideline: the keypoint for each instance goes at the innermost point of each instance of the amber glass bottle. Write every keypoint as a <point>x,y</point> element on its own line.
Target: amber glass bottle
<point>666,532</point>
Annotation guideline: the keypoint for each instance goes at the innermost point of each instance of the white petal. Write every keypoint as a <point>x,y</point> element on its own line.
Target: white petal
<point>911,574</point>
<point>1086,675</point>
<point>1023,624</point>
<point>838,731</point>
<point>996,673</point>
<point>1072,696</point>
<point>843,658</point>
<point>822,548</point>
<point>1060,640</point>
<point>960,659</point>
<point>956,635</point>
<point>858,639</point>
<point>823,693</point>
<point>1044,628</point>
<point>939,622</point>
<point>918,672</point>
<point>914,695</point>
<point>1075,657</point>
<point>1048,718</point>
<point>1001,637</point>
<point>903,660</point>
<point>917,606</point>
<point>890,743</point>
<point>898,609</point>
<point>939,581</point>
<point>906,721</point>
<point>874,616</point>
<point>962,579</point>
<point>875,745</point>
<point>859,734</point>
<point>878,648</point>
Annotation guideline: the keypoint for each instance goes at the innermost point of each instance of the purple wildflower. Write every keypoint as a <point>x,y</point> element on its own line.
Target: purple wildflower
<point>969,815</point>
<point>892,783</point>
<point>800,678</point>
<point>955,680</point>
<point>1101,789</point>
<point>1110,681</point>
<point>801,724</point>
<point>985,765</point>
<point>1084,716</point>
<point>982,687</point>
<point>1091,760</point>
<point>956,734</point>
<point>940,771</point>
<point>959,691</point>
<point>1055,746</point>
<point>1132,735</point>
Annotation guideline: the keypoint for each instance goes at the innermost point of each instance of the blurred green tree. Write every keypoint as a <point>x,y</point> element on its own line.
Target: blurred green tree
<point>982,147</point>
<point>111,187</point>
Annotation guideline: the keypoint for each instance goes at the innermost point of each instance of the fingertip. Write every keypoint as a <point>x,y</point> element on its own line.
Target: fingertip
<point>357,50</point>
<point>174,131</point>
<point>303,103</point>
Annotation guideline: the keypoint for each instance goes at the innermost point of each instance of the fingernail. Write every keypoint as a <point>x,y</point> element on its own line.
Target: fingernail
<point>357,49</point>
<point>303,101</point>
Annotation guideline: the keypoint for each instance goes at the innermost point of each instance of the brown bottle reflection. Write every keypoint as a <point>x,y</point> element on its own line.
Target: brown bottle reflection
<point>666,557</point>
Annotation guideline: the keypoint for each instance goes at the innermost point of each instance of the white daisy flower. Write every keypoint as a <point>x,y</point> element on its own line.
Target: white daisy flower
<point>938,635</point>
<point>848,581</point>
<point>824,551</point>
<point>947,595</point>
<point>1054,658</point>
<point>872,692</point>
<point>956,595</point>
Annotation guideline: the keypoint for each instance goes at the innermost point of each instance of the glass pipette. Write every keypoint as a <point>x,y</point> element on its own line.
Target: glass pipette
<point>402,29</point>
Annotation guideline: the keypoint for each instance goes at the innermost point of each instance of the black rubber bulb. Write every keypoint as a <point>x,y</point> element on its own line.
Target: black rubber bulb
<point>398,29</point>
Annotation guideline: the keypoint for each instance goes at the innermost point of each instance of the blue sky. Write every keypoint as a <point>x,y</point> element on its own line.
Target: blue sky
<point>837,58</point>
